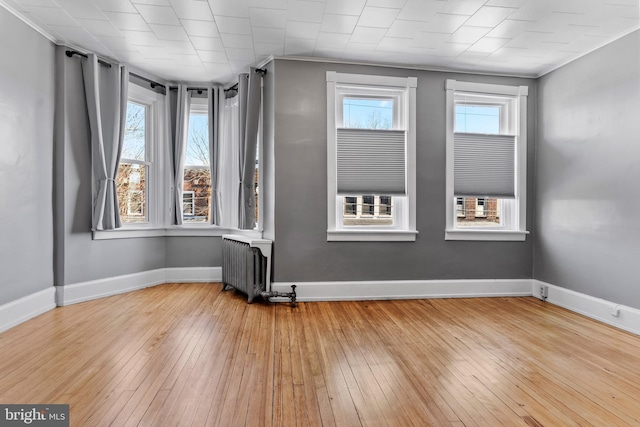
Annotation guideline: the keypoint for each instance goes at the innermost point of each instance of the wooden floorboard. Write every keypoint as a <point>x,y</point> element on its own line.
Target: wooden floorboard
<point>193,355</point>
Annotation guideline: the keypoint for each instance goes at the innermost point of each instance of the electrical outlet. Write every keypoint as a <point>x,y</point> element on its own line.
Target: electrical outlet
<point>544,291</point>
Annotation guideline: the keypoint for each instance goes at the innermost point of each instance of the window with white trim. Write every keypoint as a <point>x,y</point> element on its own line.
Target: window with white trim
<point>197,169</point>
<point>138,181</point>
<point>486,161</point>
<point>371,157</point>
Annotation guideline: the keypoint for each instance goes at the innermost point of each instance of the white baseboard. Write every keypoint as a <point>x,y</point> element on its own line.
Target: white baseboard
<point>405,289</point>
<point>193,274</point>
<point>23,309</point>
<point>86,291</point>
<point>628,318</point>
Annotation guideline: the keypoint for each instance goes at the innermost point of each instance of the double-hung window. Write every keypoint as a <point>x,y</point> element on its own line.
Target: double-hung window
<point>371,134</point>
<point>196,190</point>
<point>138,179</point>
<point>486,161</point>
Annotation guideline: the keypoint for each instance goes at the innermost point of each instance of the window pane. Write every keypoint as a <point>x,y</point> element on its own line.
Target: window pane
<point>368,113</point>
<point>134,145</point>
<point>131,187</point>
<point>197,173</point>
<point>477,212</point>
<point>477,119</point>
<point>367,210</point>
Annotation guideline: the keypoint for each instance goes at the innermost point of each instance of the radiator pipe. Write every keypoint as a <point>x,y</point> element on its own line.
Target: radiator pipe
<point>272,294</point>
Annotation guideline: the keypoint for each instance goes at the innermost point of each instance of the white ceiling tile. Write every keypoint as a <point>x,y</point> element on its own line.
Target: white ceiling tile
<point>489,16</point>
<point>392,4</point>
<point>81,9</point>
<point>462,7</point>
<point>430,40</point>
<point>53,16</point>
<point>420,10</point>
<point>488,44</point>
<point>234,8</point>
<point>506,3</point>
<point>527,38</point>
<point>271,18</point>
<point>269,35</point>
<point>470,58</point>
<point>345,7</point>
<point>192,9</point>
<point>302,30</point>
<point>158,14</point>
<point>533,10</point>
<point>332,40</point>
<point>357,47</point>
<point>451,49</point>
<point>269,4</point>
<point>305,11</point>
<point>367,35</point>
<point>213,56</point>
<point>200,28</point>
<point>218,72</point>
<point>339,23</point>
<point>123,6</point>
<point>241,54</point>
<point>142,38</point>
<point>41,3</point>
<point>100,28</point>
<point>468,34</point>
<point>232,25</point>
<point>169,32</point>
<point>177,47</point>
<point>154,52</point>
<point>377,17</point>
<point>152,2</point>
<point>406,29</point>
<point>442,23</point>
<point>298,47</point>
<point>19,7</point>
<point>237,41</point>
<point>116,43</point>
<point>266,49</point>
<point>510,28</point>
<point>73,34</point>
<point>127,21</point>
<point>207,43</point>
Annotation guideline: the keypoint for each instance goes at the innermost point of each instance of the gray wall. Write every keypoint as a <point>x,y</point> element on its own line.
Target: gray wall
<point>588,174</point>
<point>193,252</point>
<point>301,250</point>
<point>26,158</point>
<point>78,257</point>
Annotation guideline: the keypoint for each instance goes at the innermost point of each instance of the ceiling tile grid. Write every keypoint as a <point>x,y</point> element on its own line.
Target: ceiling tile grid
<point>214,40</point>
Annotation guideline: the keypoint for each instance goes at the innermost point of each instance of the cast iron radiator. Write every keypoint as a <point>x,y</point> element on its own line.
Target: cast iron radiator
<point>243,267</point>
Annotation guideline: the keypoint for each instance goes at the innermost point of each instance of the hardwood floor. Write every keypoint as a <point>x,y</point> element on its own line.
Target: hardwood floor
<point>190,354</point>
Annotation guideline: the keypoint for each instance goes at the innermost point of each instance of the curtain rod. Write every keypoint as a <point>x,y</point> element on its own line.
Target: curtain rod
<point>153,84</point>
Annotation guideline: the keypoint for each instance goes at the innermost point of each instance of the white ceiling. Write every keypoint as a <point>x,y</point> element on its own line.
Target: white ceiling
<point>200,40</point>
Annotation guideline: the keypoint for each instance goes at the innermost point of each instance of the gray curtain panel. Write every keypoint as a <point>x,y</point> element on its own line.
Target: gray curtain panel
<point>251,91</point>
<point>180,133</point>
<point>243,97</point>
<point>215,96</point>
<point>106,91</point>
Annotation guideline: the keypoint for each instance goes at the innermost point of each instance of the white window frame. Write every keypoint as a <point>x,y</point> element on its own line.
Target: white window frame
<point>199,106</point>
<point>156,179</point>
<point>513,218</point>
<point>193,201</point>
<point>404,208</point>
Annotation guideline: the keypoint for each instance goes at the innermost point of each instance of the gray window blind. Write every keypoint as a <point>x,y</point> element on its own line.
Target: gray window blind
<point>371,161</point>
<point>484,165</point>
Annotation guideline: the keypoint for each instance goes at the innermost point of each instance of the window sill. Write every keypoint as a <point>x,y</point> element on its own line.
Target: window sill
<point>371,235</point>
<point>486,235</point>
<point>173,231</point>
